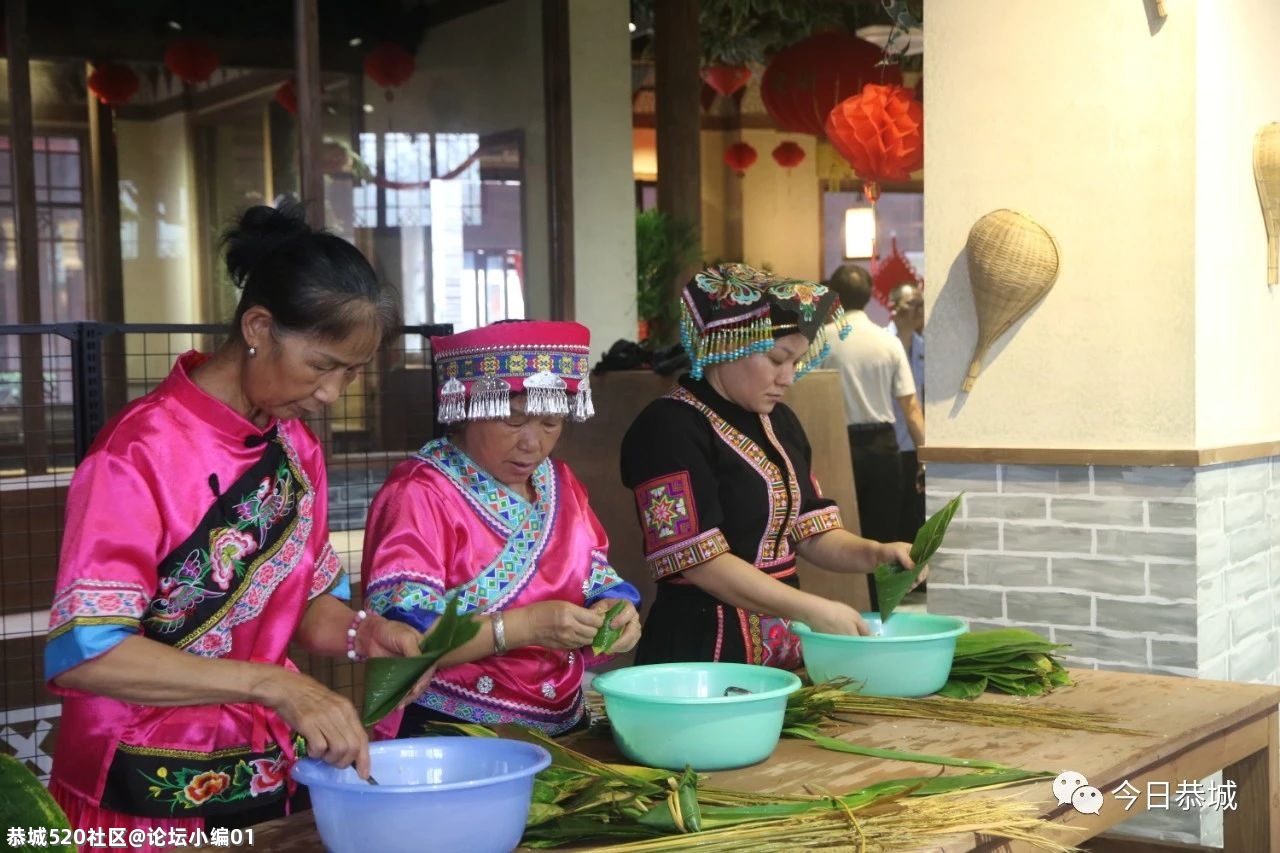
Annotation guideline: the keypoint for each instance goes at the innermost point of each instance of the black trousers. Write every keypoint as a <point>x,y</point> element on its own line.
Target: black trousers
<point>877,482</point>
<point>912,516</point>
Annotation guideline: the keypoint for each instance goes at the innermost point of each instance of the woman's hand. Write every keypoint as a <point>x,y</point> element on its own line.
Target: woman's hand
<point>386,638</point>
<point>327,720</point>
<point>835,617</point>
<point>379,637</point>
<point>900,553</point>
<point>628,621</point>
<point>553,625</point>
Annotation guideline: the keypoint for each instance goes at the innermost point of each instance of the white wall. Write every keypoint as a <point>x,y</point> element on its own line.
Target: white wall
<point>782,208</point>
<point>156,157</point>
<point>1237,345</point>
<point>604,235</point>
<point>1080,116</point>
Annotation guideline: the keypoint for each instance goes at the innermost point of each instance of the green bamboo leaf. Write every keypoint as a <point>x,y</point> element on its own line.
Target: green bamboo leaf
<point>963,688</point>
<point>892,581</point>
<point>608,635</point>
<point>388,680</point>
<point>892,754</point>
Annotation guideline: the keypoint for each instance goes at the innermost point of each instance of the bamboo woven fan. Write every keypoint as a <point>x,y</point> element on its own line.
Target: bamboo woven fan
<point>1012,264</point>
<point>1266,174</point>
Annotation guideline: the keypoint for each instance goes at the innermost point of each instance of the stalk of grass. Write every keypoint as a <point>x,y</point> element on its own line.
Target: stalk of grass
<point>823,702</point>
<point>921,823</point>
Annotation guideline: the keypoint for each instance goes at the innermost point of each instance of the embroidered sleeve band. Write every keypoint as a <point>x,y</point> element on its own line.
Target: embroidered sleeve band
<point>685,555</point>
<point>813,523</point>
<point>330,576</point>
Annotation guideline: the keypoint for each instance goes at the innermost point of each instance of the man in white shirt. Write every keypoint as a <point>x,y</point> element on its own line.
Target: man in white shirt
<point>874,373</point>
<point>906,303</point>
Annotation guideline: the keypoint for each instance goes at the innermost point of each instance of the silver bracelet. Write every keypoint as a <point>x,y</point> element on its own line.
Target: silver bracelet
<point>499,634</point>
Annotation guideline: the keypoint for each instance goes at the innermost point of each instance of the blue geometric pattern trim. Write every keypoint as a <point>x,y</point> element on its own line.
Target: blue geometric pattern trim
<point>524,526</point>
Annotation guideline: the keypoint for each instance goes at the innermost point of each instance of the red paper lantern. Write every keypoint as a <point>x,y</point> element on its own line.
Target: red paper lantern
<point>740,156</point>
<point>113,84</point>
<point>788,154</point>
<point>287,96</point>
<point>389,65</point>
<point>802,83</point>
<point>726,79</point>
<point>881,133</point>
<point>191,60</point>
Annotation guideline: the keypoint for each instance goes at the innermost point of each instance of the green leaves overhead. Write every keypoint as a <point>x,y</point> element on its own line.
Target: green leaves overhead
<point>388,680</point>
<point>892,581</point>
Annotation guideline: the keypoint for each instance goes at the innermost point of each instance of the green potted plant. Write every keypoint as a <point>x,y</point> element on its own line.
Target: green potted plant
<point>665,248</point>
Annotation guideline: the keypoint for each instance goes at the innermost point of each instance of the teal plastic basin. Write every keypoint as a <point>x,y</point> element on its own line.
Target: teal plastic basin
<point>910,655</point>
<point>676,714</point>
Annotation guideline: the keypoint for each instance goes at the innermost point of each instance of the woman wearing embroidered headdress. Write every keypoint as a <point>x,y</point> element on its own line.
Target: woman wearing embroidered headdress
<point>486,517</point>
<point>721,473</point>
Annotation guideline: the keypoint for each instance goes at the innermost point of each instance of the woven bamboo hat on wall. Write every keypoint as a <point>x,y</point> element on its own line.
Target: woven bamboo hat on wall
<point>1013,262</point>
<point>1266,174</point>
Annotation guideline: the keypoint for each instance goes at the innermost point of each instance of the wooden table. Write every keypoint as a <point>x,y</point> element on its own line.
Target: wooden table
<point>1198,727</point>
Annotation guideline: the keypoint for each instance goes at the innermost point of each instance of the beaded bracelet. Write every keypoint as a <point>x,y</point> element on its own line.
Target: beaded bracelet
<point>352,654</point>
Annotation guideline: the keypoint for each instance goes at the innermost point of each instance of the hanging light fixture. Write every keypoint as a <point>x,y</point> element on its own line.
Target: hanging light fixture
<point>860,233</point>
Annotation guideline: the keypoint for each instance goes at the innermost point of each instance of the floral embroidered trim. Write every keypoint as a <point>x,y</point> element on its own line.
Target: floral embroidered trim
<point>781,505</point>
<point>667,510</point>
<point>813,523</point>
<point>89,601</point>
<point>252,596</point>
<point>687,554</point>
<point>159,782</point>
<point>328,572</point>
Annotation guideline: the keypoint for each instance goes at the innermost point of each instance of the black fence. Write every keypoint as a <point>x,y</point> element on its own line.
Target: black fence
<point>59,383</point>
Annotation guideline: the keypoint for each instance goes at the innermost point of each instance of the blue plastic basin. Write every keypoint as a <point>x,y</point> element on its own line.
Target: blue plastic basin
<point>676,714</point>
<point>910,655</point>
<point>444,794</point>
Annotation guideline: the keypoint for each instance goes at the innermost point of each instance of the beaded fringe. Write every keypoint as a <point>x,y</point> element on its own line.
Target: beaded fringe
<point>545,394</point>
<point>583,407</point>
<point>490,399</point>
<point>453,402</point>
<point>731,344</point>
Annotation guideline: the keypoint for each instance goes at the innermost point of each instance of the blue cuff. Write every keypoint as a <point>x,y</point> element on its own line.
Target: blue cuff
<point>342,589</point>
<point>81,643</point>
<point>622,589</point>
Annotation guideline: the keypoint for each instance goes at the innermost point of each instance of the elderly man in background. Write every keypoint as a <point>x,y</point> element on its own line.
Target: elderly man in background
<point>874,373</point>
<point>906,303</point>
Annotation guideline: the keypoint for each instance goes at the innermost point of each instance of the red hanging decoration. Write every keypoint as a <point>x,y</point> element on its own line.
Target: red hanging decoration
<point>726,79</point>
<point>740,156</point>
<point>788,154</point>
<point>287,96</point>
<point>803,82</point>
<point>389,65</point>
<point>113,84</point>
<point>881,133</point>
<point>191,60</point>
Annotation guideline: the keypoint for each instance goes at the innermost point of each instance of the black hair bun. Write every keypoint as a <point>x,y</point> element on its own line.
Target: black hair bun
<point>260,232</point>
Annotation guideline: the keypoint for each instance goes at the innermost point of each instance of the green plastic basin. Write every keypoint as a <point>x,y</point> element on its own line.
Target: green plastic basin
<point>676,714</point>
<point>910,655</point>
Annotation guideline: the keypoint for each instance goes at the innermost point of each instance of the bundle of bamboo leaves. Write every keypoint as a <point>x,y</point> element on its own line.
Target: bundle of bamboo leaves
<point>1010,660</point>
<point>579,799</point>
<point>831,699</point>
